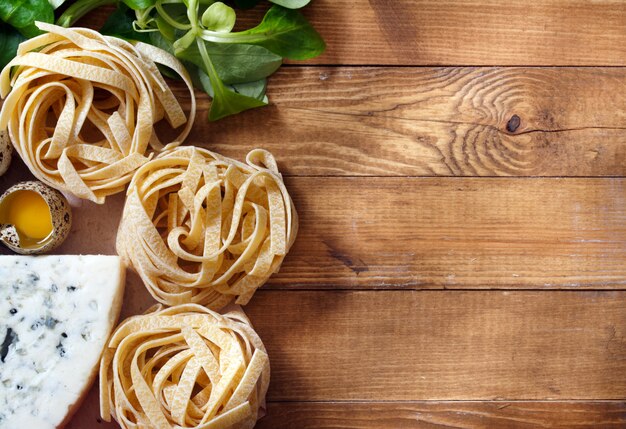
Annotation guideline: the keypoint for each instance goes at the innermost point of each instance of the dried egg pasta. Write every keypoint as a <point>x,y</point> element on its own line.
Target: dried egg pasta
<point>184,367</point>
<point>202,228</point>
<point>81,108</point>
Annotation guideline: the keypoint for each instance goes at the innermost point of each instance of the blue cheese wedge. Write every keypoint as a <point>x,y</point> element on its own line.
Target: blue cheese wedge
<point>56,313</point>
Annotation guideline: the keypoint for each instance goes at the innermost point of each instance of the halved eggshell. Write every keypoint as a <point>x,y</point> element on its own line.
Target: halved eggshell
<point>60,213</point>
<point>6,152</point>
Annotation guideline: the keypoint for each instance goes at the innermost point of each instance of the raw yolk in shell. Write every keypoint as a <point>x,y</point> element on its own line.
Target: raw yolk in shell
<point>30,215</point>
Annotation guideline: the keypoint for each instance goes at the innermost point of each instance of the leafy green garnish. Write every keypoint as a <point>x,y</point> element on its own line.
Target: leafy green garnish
<point>139,4</point>
<point>56,3</point>
<point>9,39</point>
<point>120,24</point>
<point>283,31</point>
<point>232,67</point>
<point>235,63</point>
<point>254,89</point>
<point>22,14</point>
<point>219,17</point>
<point>291,4</point>
<point>225,101</point>
<point>250,89</point>
<point>79,9</point>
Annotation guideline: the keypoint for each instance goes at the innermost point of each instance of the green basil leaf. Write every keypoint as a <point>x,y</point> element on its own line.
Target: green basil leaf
<point>287,33</point>
<point>139,4</point>
<point>251,89</point>
<point>199,78</point>
<point>283,31</point>
<point>219,17</point>
<point>158,40</point>
<point>235,63</point>
<point>291,4</point>
<point>22,14</point>
<point>9,40</point>
<point>189,39</point>
<point>227,102</point>
<point>165,29</point>
<point>177,11</point>
<point>120,24</point>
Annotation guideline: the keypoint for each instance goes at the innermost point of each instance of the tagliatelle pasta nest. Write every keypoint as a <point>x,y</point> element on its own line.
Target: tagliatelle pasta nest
<point>184,367</point>
<point>82,108</point>
<point>202,228</point>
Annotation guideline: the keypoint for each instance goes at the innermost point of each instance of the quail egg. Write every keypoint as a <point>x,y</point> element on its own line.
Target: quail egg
<point>6,152</point>
<point>34,218</point>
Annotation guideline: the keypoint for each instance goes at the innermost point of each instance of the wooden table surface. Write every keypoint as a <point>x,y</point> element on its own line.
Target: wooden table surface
<point>459,168</point>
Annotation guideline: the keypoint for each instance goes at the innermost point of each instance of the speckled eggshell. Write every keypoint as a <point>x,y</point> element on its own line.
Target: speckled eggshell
<point>6,152</point>
<point>61,219</point>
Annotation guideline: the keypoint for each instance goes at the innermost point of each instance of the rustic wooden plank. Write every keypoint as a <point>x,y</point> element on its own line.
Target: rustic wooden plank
<point>443,345</point>
<point>457,414</point>
<point>470,32</point>
<point>425,233</point>
<point>457,233</point>
<point>434,121</point>
<point>417,415</point>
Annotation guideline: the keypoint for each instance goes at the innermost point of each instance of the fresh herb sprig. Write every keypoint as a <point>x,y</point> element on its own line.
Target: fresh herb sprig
<point>17,22</point>
<point>232,67</point>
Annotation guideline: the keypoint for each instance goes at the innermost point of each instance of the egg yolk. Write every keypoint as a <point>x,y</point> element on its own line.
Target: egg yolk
<point>30,215</point>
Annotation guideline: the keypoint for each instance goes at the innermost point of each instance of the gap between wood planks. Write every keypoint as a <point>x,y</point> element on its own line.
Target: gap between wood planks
<point>436,65</point>
<point>355,176</point>
<point>618,401</point>
<point>405,415</point>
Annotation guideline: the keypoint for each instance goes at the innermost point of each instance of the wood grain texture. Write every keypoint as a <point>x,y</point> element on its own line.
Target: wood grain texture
<point>434,122</point>
<point>418,233</point>
<point>471,32</point>
<point>438,345</point>
<point>437,415</point>
<point>430,233</point>
<point>418,415</point>
<point>380,357</point>
<point>467,32</point>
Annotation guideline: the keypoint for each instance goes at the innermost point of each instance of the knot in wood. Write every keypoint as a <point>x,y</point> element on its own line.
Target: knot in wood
<point>513,124</point>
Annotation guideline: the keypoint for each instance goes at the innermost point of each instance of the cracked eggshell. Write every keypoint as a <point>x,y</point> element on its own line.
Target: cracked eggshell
<point>6,152</point>
<point>60,212</point>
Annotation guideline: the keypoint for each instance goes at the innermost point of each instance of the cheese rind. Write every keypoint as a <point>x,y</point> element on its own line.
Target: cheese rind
<point>56,313</point>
